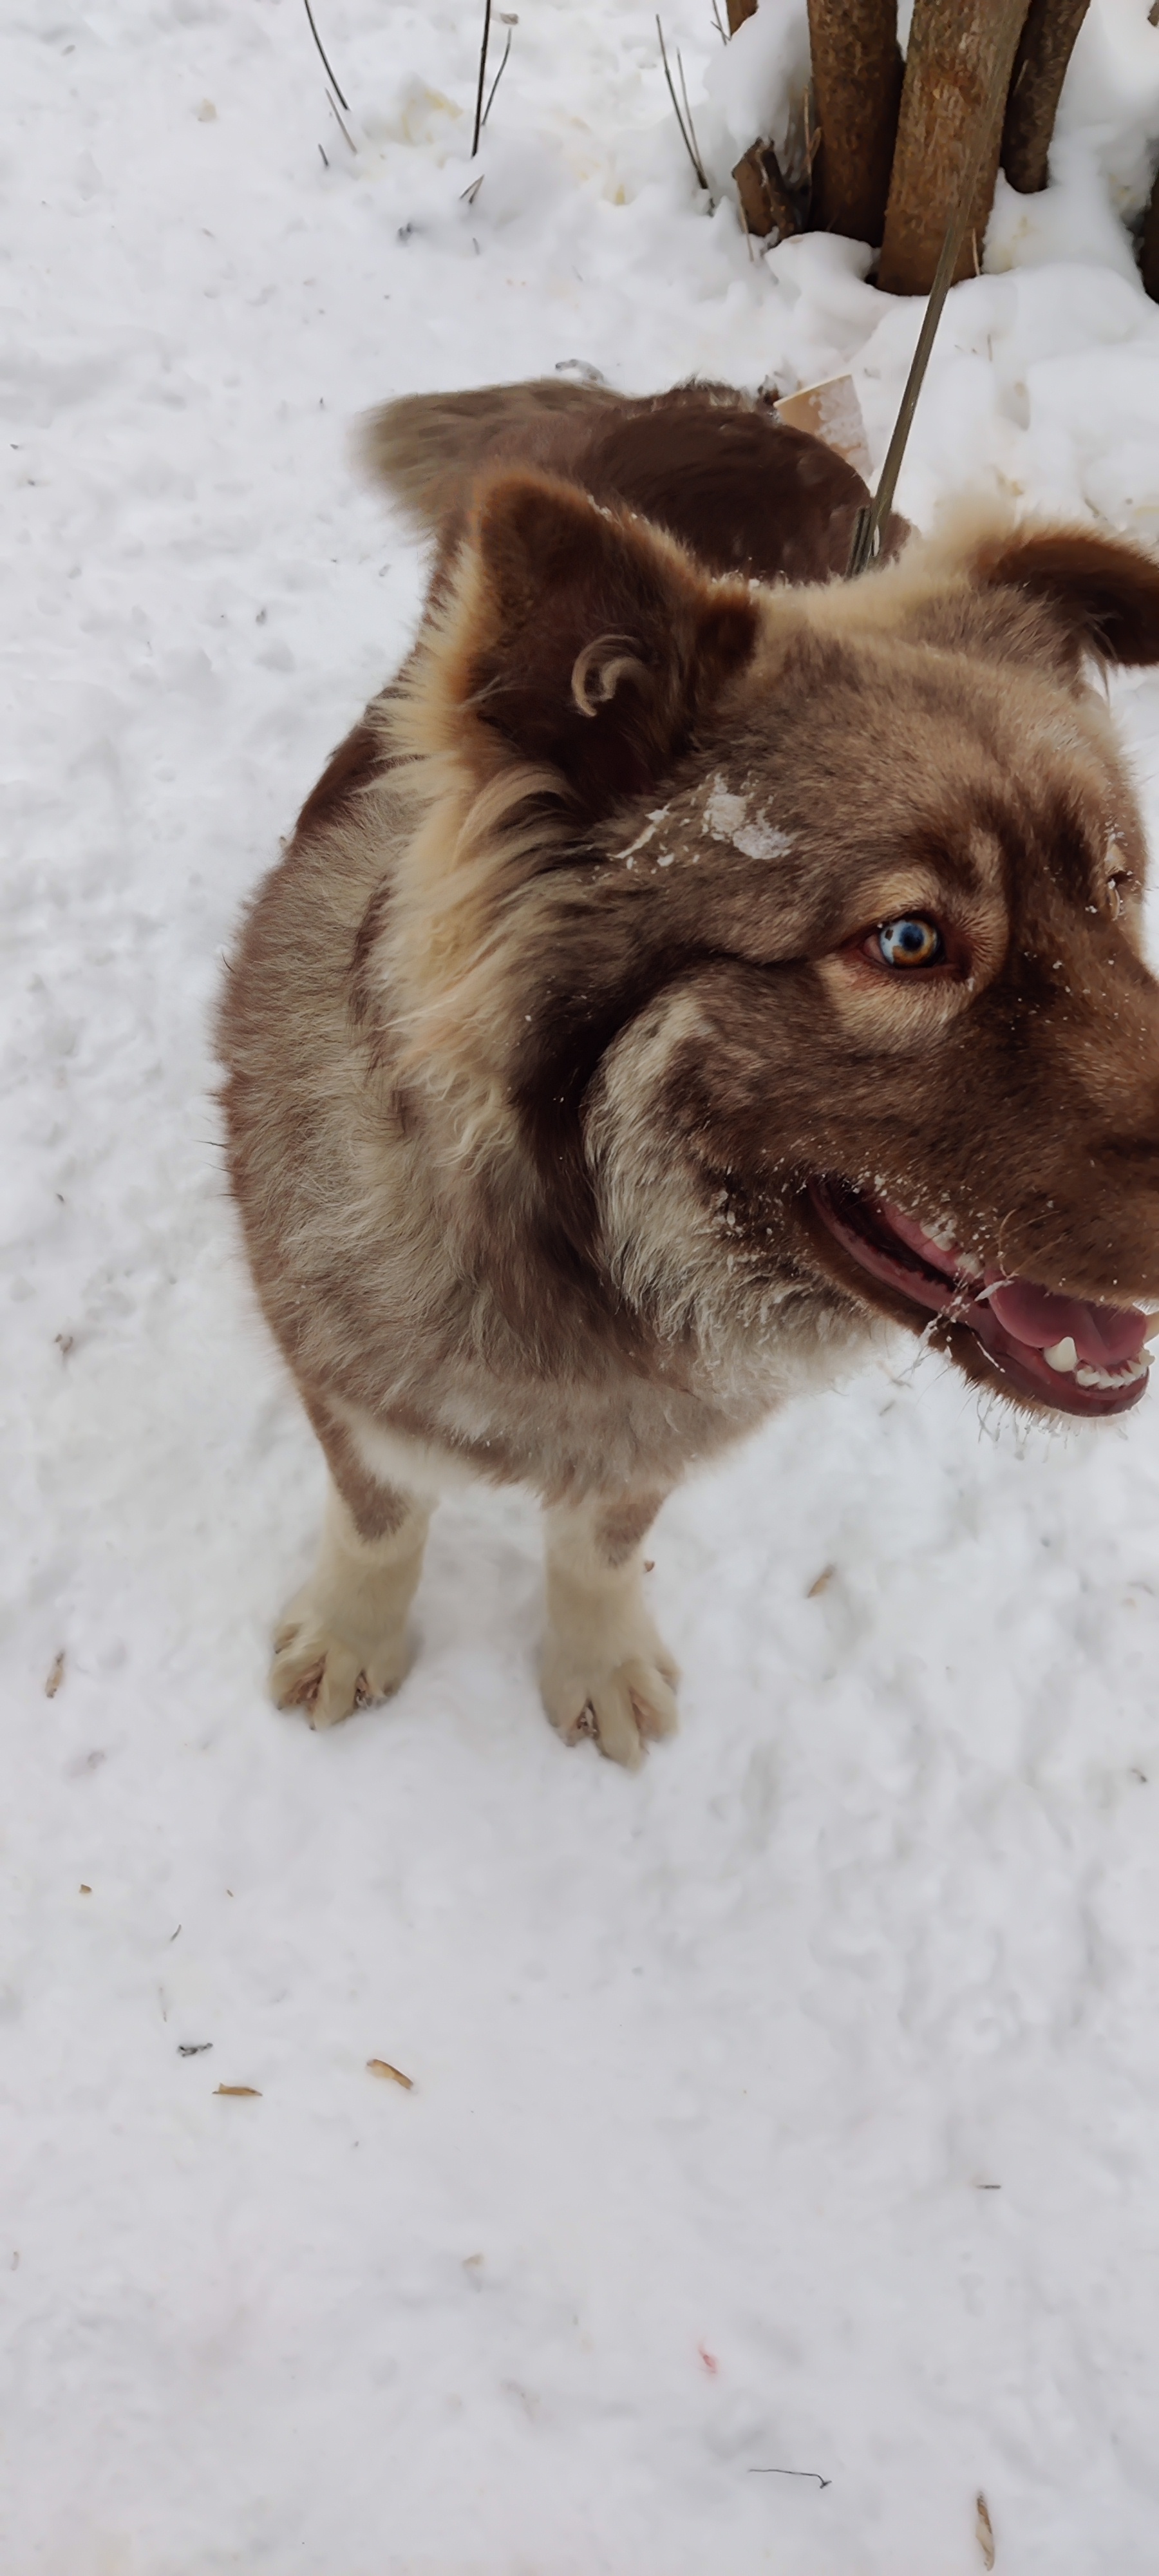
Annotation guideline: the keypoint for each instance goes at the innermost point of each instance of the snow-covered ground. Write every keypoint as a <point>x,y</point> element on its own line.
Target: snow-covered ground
<point>793,2107</point>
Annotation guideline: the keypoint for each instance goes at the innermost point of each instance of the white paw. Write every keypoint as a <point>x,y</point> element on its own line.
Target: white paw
<point>322,1664</point>
<point>624,1704</point>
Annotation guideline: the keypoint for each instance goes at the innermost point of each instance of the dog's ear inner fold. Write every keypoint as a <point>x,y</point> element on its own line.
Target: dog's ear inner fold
<point>600,647</point>
<point>1105,592</point>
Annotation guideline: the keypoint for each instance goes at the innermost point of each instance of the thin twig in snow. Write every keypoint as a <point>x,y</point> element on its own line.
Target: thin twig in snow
<point>497,79</point>
<point>717,24</point>
<point>688,112</point>
<point>792,2473</point>
<point>482,78</point>
<point>322,51</point>
<point>345,129</point>
<point>687,139</point>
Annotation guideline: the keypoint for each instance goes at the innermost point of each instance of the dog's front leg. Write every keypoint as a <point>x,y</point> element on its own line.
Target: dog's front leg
<point>605,1671</point>
<point>343,1640</point>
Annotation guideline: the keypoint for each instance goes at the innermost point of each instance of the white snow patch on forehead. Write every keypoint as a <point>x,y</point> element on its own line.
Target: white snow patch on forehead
<point>762,840</point>
<point>726,816</point>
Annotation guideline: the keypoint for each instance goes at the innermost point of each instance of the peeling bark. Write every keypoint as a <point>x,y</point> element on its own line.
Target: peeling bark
<point>765,201</point>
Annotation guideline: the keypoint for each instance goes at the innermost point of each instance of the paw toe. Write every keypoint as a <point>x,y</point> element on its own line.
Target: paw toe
<point>326,1675</point>
<point>617,1731</point>
<point>653,1700</point>
<point>340,1689</point>
<point>313,1674</point>
<point>625,1708</point>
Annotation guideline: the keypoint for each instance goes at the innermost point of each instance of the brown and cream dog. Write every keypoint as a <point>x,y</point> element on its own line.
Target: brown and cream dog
<point>690,960</point>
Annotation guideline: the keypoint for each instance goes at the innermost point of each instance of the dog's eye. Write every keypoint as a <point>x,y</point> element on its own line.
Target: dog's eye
<point>1118,886</point>
<point>908,941</point>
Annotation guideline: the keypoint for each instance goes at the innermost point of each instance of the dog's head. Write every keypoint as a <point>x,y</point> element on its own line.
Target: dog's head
<point>815,939</point>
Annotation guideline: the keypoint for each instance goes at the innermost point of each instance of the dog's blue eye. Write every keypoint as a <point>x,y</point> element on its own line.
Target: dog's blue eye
<point>910,941</point>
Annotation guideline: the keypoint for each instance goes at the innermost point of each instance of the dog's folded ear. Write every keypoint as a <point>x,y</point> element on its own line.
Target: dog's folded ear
<point>1104,591</point>
<point>593,643</point>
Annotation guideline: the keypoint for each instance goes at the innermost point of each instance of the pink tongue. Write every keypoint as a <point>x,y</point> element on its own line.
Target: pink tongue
<point>1102,1335</point>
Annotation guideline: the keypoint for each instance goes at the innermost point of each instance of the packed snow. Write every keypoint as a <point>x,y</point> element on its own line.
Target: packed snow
<point>778,2170</point>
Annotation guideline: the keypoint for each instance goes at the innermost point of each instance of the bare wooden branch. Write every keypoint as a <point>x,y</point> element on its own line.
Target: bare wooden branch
<point>857,92</point>
<point>765,201</point>
<point>1039,72</point>
<point>957,73</point>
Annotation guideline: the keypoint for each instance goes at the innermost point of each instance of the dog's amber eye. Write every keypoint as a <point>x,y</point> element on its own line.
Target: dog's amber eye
<point>909,941</point>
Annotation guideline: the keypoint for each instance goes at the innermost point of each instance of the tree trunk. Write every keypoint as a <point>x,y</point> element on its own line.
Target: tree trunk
<point>961,55</point>
<point>857,90</point>
<point>1039,72</point>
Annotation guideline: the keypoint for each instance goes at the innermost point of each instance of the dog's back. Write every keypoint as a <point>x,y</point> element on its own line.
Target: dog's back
<point>716,468</point>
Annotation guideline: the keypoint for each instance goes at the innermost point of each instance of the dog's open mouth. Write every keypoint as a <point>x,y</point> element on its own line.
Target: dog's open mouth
<point>1059,1351</point>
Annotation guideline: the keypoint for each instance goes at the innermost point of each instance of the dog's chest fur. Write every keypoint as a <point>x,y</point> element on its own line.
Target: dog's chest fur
<point>402,1240</point>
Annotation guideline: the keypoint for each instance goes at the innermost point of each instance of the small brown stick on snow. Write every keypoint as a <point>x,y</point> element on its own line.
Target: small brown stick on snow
<point>765,202</point>
<point>957,73</point>
<point>56,1676</point>
<point>985,2531</point>
<point>1039,72</point>
<point>240,2092</point>
<point>857,91</point>
<point>390,2074</point>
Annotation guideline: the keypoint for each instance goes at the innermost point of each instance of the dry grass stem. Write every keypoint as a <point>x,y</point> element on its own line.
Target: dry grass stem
<point>322,51</point>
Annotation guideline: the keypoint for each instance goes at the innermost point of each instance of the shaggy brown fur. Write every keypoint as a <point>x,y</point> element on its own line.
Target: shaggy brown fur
<point>574,1102</point>
<point>719,471</point>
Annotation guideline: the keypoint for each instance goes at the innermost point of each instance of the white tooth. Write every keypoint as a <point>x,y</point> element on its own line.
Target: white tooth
<point>1125,1375</point>
<point>1062,1356</point>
